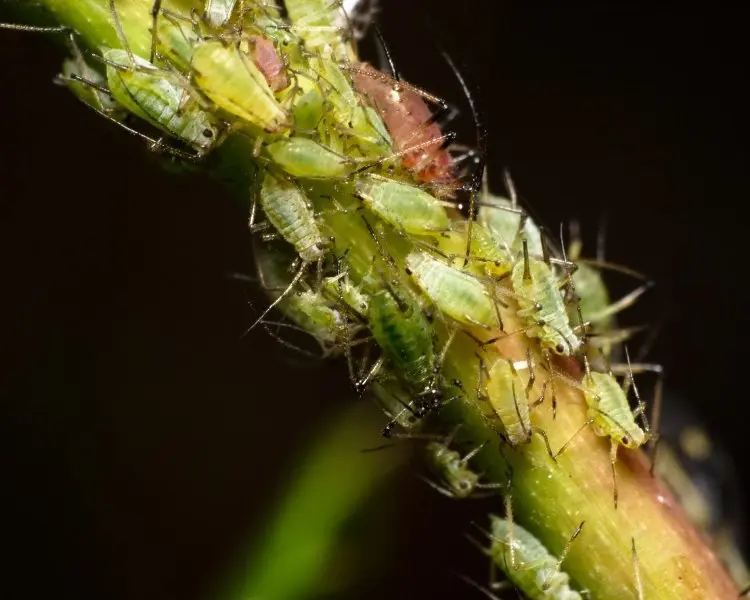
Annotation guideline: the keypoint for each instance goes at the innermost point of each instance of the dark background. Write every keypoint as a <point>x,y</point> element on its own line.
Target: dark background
<point>145,439</point>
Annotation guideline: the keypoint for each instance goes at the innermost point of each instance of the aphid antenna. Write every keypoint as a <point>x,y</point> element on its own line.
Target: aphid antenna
<point>484,590</point>
<point>441,139</point>
<point>636,571</point>
<point>121,33</point>
<point>515,199</point>
<point>34,28</point>
<point>385,57</point>
<point>155,10</point>
<point>570,286</point>
<point>563,556</point>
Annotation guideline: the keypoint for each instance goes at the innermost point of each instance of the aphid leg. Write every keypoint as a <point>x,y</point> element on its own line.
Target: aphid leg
<point>155,9</point>
<point>636,571</point>
<point>362,384</point>
<point>652,429</point>
<point>563,556</point>
<point>613,461</point>
<point>284,294</point>
<point>573,437</point>
<point>619,305</point>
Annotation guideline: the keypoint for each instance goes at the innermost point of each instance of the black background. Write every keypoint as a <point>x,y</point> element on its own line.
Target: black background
<point>144,438</point>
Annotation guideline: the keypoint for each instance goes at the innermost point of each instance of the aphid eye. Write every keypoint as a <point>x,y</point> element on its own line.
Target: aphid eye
<point>560,349</point>
<point>463,485</point>
<point>625,440</point>
<point>208,133</point>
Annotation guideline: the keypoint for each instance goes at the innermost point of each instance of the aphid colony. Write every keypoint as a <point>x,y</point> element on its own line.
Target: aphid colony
<point>354,205</point>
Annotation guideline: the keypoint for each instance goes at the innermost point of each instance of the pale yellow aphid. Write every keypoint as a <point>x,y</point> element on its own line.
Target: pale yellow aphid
<point>457,294</point>
<point>508,386</point>
<point>228,76</point>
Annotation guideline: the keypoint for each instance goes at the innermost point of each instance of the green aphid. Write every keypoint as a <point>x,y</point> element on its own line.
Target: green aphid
<point>406,207</point>
<point>459,480</point>
<point>507,388</point>
<point>162,99</point>
<point>528,564</point>
<point>289,211</point>
<point>457,294</point>
<point>405,336</point>
<point>541,306</point>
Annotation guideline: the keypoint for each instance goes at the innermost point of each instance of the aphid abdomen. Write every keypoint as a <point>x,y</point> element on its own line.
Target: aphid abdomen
<point>287,209</point>
<point>610,410</point>
<point>535,572</point>
<point>457,294</point>
<point>405,336</point>
<point>542,308</point>
<point>303,157</point>
<point>506,392</point>
<point>404,206</point>
<point>235,84</point>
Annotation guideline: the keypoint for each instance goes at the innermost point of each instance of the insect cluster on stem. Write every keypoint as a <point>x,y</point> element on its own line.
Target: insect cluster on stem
<point>356,216</point>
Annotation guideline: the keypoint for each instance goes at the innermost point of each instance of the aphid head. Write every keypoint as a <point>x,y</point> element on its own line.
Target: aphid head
<point>464,483</point>
<point>632,439</point>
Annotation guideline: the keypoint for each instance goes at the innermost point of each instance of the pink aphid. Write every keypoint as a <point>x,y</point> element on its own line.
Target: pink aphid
<point>407,117</point>
<point>269,62</point>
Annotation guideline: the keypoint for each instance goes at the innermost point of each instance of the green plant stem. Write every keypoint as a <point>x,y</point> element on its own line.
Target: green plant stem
<point>328,485</point>
<point>549,499</point>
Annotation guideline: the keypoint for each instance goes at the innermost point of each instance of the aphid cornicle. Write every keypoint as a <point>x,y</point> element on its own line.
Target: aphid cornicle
<point>457,294</point>
<point>527,563</point>
<point>541,305</point>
